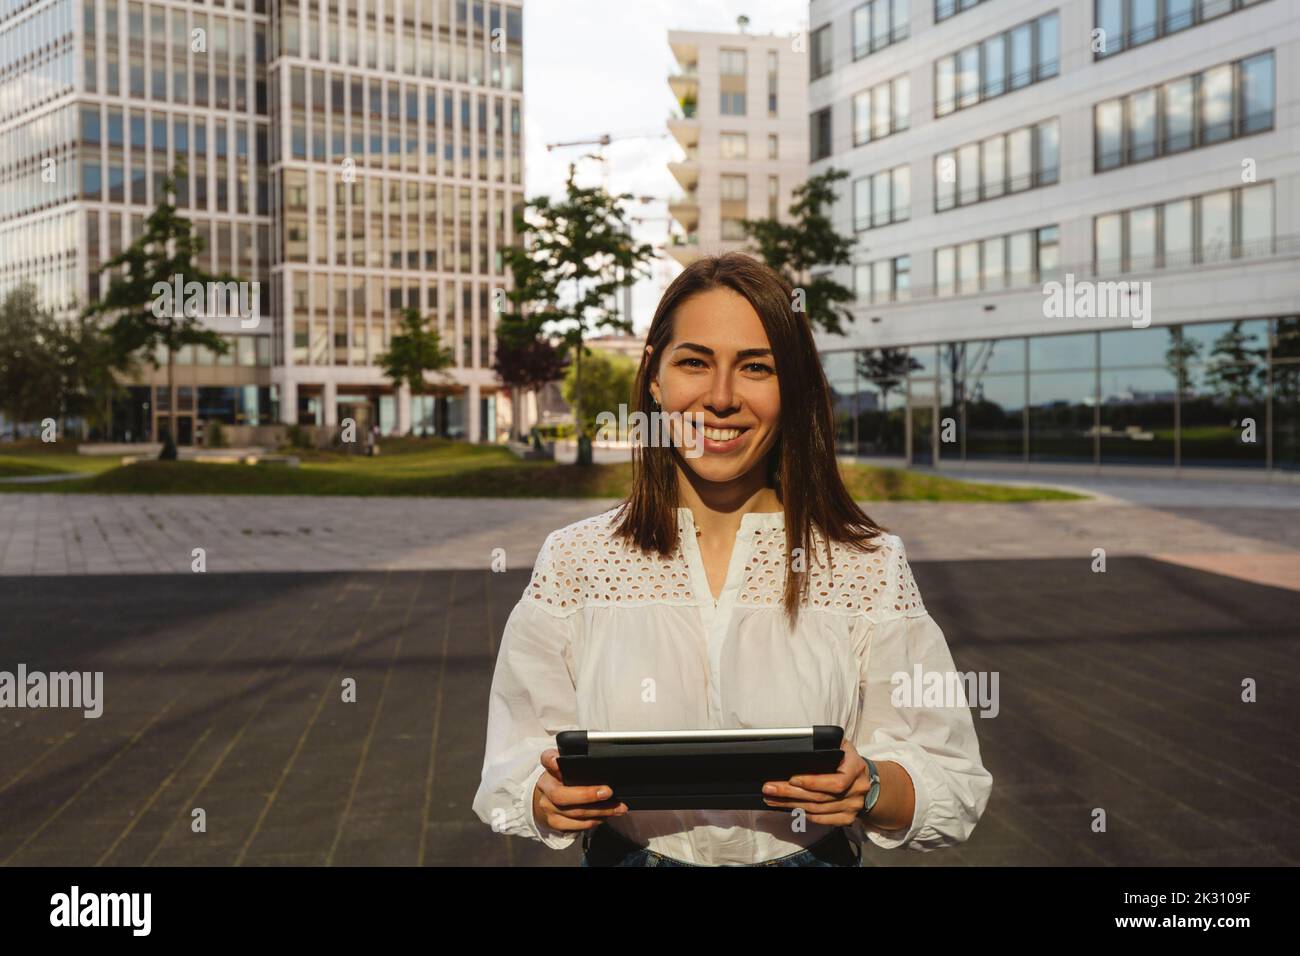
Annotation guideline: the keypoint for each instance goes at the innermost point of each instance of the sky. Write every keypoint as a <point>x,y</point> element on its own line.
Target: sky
<point>601,66</point>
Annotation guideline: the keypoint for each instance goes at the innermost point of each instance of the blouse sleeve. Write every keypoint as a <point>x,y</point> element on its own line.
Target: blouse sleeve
<point>533,697</point>
<point>936,745</point>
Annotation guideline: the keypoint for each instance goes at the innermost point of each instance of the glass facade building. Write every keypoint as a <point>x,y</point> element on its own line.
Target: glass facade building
<point>355,158</point>
<point>1165,188</point>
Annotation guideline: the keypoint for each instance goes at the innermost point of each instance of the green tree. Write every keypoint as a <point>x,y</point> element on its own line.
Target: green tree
<point>887,368</point>
<point>168,247</point>
<point>416,349</point>
<point>89,367</point>
<point>1236,372</point>
<point>575,254</point>
<point>525,361</point>
<point>608,380</point>
<point>808,242</point>
<point>31,386</point>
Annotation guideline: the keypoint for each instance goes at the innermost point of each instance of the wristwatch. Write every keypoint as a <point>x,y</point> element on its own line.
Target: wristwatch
<point>874,793</point>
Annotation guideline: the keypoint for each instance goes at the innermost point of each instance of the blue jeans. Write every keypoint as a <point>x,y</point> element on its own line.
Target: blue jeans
<point>604,846</point>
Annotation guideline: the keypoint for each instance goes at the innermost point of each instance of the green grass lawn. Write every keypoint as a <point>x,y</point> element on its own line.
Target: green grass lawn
<point>437,468</point>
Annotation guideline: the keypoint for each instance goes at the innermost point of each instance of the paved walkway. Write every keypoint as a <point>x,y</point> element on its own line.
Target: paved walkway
<point>222,693</point>
<point>125,534</point>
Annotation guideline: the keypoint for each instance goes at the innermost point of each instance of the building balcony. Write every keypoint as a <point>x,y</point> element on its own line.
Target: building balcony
<point>687,52</point>
<point>685,208</point>
<point>686,173</point>
<point>686,87</point>
<point>686,130</point>
<point>685,249</point>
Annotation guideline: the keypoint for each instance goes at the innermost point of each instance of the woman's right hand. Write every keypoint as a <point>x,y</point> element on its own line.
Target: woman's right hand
<point>570,808</point>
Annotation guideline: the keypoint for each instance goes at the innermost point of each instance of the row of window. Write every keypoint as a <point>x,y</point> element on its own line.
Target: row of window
<point>1215,105</point>
<point>888,280</point>
<point>1229,224</point>
<point>111,172</point>
<point>25,183</point>
<point>1001,262</point>
<point>882,198</point>
<point>426,226</point>
<point>943,9</point>
<point>245,351</point>
<point>333,118</point>
<point>1125,24</point>
<point>239,248</point>
<point>1007,163</point>
<point>1026,54</point>
<point>36,242</point>
<point>324,334</point>
<point>878,24</point>
<point>1213,227</point>
<point>216,75</point>
<point>1165,395</point>
<point>29,38</point>
<point>882,110</point>
<point>476,42</point>
<point>38,81</point>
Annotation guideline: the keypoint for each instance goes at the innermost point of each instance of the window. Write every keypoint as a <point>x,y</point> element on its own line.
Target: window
<point>883,281</point>
<point>943,9</point>
<point>1230,224</point>
<point>734,146</point>
<point>820,134</point>
<point>1235,99</point>
<point>878,24</point>
<point>734,188</point>
<point>1006,163</point>
<point>883,198</point>
<point>733,229</point>
<point>773,81</point>
<point>731,62</point>
<point>1257,94</point>
<point>881,110</point>
<point>773,146</point>
<point>1028,53</point>
<point>998,262</point>
<point>1126,24</point>
<point>733,104</point>
<point>773,197</point>
<point>819,54</point>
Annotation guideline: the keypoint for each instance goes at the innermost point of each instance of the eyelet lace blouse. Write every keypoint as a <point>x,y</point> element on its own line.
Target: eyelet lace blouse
<point>607,637</point>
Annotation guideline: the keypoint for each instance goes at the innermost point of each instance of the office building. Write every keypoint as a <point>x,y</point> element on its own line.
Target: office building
<point>355,158</point>
<point>1077,229</point>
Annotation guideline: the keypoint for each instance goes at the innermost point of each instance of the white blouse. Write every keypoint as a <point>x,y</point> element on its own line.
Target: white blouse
<point>607,637</point>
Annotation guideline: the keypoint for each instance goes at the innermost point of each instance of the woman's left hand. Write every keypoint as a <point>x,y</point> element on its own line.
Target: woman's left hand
<point>831,799</point>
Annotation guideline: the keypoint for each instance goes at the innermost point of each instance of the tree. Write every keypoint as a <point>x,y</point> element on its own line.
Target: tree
<point>579,245</point>
<point>416,349</point>
<point>168,247</point>
<point>525,361</point>
<point>609,378</point>
<point>796,248</point>
<point>88,364</point>
<point>30,377</point>
<point>1235,371</point>
<point>887,368</point>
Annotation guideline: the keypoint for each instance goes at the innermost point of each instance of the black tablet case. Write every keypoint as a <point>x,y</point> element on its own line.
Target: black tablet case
<point>703,775</point>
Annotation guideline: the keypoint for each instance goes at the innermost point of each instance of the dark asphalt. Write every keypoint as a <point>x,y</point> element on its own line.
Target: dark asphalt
<point>1119,691</point>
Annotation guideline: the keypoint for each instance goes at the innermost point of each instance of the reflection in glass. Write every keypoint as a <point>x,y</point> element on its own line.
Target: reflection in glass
<point>1061,413</point>
<point>1137,413</point>
<point>994,414</point>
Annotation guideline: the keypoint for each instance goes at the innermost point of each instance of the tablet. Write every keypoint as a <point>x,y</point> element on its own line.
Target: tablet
<point>696,769</point>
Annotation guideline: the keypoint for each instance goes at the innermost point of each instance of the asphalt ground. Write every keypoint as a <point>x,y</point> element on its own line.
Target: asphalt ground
<point>1119,691</point>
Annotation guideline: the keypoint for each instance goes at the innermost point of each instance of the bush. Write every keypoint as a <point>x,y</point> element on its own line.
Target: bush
<point>216,434</point>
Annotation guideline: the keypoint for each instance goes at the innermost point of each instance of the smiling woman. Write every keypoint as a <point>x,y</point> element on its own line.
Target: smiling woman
<point>737,588</point>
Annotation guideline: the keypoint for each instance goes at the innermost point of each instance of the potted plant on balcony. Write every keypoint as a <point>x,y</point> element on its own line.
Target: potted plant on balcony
<point>688,106</point>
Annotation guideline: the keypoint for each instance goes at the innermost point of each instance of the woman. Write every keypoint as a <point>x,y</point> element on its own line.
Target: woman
<point>737,588</point>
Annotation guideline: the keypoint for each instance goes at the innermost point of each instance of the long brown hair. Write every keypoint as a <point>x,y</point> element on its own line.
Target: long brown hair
<point>801,465</point>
